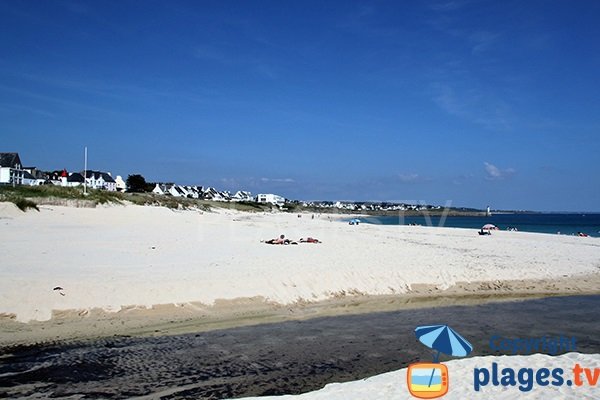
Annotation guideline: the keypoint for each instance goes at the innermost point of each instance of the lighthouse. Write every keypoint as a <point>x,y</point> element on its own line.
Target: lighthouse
<point>488,212</point>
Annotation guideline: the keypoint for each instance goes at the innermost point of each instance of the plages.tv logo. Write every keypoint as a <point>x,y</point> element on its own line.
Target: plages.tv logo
<point>431,380</point>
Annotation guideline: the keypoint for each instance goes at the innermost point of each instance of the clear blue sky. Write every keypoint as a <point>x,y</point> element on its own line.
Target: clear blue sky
<point>476,102</point>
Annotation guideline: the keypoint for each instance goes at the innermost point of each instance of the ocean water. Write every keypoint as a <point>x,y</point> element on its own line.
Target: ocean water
<point>566,224</point>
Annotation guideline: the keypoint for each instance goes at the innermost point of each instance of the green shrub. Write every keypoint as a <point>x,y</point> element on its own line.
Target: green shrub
<point>24,204</point>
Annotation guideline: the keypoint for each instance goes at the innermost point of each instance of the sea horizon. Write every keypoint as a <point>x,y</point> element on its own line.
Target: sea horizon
<point>547,223</point>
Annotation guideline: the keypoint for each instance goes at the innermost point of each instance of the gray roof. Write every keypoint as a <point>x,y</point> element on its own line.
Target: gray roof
<point>107,177</point>
<point>9,160</point>
<point>163,186</point>
<point>27,175</point>
<point>75,177</point>
<point>97,174</point>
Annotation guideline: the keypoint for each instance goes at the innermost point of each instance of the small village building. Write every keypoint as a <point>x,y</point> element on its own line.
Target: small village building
<point>270,198</point>
<point>177,191</point>
<point>29,179</point>
<point>100,180</point>
<point>75,179</point>
<point>120,184</point>
<point>241,195</point>
<point>160,188</point>
<point>11,169</point>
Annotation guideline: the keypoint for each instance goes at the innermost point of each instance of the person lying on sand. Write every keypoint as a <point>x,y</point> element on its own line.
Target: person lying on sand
<point>309,240</point>
<point>280,240</point>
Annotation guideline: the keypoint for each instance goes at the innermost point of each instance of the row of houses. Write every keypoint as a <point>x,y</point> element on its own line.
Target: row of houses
<point>12,172</point>
<point>93,179</point>
<point>200,192</point>
<point>210,193</point>
<point>370,206</point>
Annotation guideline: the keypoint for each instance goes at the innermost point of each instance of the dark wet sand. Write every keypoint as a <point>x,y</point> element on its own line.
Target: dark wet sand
<point>282,358</point>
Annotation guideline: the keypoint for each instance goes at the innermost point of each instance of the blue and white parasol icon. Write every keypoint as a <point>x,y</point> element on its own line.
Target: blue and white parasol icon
<point>443,339</point>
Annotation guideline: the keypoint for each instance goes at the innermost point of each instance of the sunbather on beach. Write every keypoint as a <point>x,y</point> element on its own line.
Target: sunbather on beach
<point>280,240</point>
<point>309,240</point>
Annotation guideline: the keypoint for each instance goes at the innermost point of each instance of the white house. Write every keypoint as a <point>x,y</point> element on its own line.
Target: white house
<point>120,184</point>
<point>270,198</point>
<point>100,180</point>
<point>74,179</point>
<point>213,194</point>
<point>177,191</point>
<point>11,169</point>
<point>38,176</point>
<point>29,179</point>
<point>241,195</point>
<point>226,195</point>
<point>193,192</point>
<point>160,189</point>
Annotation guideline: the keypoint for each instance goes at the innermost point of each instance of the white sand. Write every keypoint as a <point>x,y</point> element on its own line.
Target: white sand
<point>392,385</point>
<point>111,257</point>
<point>9,211</point>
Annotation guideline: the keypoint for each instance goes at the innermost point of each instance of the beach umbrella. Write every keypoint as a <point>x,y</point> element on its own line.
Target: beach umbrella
<point>443,339</point>
<point>489,226</point>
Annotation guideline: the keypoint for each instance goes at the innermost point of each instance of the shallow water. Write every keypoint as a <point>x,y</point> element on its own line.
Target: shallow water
<point>566,224</point>
<point>288,357</point>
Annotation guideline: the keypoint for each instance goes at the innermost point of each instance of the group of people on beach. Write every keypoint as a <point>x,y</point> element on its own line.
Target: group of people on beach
<point>283,240</point>
<point>485,231</point>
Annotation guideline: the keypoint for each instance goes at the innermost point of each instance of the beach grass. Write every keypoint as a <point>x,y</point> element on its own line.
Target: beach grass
<point>74,197</point>
<point>26,197</point>
<point>22,204</point>
<point>30,196</point>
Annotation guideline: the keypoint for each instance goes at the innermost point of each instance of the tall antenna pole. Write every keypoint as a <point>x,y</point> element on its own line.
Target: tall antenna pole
<point>85,172</point>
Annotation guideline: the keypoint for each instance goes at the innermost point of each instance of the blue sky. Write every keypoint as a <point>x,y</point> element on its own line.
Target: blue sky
<point>473,102</point>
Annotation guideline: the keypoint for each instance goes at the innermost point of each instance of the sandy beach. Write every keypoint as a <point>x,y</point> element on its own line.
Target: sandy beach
<point>128,269</point>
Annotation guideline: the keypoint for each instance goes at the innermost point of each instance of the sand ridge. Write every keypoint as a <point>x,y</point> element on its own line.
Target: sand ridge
<point>193,317</point>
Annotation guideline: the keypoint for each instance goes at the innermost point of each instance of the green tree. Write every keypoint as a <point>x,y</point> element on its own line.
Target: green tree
<point>136,183</point>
